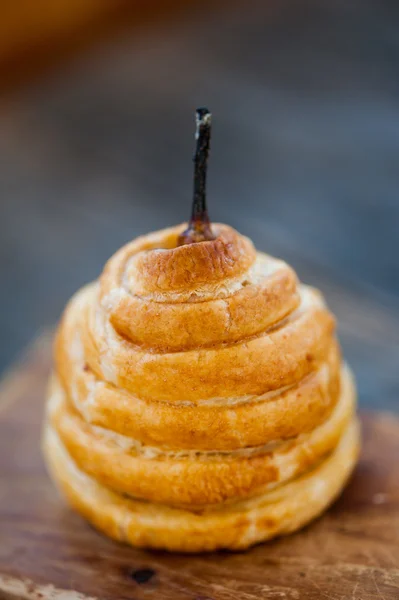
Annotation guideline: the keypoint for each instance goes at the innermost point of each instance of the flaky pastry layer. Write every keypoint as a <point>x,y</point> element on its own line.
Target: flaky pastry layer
<point>238,526</point>
<point>193,478</point>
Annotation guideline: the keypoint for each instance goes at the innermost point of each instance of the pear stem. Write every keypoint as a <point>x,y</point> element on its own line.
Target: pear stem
<point>199,228</point>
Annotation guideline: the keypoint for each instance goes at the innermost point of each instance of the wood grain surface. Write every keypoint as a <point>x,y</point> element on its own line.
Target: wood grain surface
<point>47,552</point>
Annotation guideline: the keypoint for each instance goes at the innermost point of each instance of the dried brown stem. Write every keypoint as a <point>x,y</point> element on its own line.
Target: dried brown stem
<point>199,228</point>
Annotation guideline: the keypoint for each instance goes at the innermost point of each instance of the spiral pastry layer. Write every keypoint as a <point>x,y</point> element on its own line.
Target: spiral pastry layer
<point>199,399</point>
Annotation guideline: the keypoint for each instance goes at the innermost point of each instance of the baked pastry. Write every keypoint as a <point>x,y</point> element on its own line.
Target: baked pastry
<point>199,399</point>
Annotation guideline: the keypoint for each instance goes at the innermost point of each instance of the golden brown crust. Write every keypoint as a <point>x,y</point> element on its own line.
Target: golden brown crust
<point>236,295</point>
<point>205,381</point>
<point>196,478</point>
<point>207,426</point>
<point>237,526</point>
<point>238,422</point>
<point>245,313</point>
<point>154,263</point>
<point>269,361</point>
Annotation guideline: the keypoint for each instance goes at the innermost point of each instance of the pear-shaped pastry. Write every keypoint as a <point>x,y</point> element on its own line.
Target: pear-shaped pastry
<point>199,399</point>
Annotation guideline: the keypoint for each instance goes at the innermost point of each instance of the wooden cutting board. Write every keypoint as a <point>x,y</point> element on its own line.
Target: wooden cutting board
<point>48,552</point>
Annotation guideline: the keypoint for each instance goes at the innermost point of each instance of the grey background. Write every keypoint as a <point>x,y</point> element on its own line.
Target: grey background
<point>305,150</point>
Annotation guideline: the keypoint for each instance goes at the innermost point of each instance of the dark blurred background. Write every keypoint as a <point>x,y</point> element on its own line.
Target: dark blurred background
<point>96,139</point>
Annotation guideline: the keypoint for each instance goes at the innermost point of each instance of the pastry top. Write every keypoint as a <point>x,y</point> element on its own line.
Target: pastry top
<point>213,326</point>
<point>168,297</point>
<point>154,265</point>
